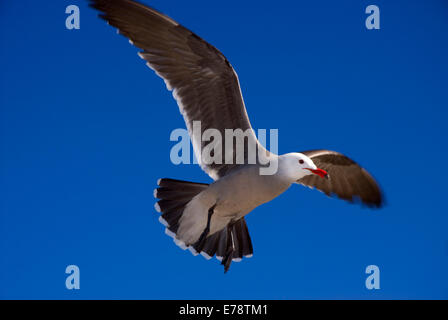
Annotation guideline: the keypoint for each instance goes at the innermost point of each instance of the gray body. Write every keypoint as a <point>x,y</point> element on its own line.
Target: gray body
<point>233,196</point>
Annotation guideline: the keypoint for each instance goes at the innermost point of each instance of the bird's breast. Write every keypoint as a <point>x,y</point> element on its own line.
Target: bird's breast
<point>245,189</point>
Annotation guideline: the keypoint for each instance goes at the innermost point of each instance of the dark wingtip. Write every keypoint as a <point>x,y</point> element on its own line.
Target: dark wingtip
<point>375,204</point>
<point>93,4</point>
<point>381,202</point>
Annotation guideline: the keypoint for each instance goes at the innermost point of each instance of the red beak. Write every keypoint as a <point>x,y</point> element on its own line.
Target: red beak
<point>321,173</point>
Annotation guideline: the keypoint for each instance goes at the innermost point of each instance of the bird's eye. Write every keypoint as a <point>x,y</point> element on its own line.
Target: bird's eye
<point>301,161</point>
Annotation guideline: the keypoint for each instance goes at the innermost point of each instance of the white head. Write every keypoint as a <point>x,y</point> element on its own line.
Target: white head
<point>295,166</point>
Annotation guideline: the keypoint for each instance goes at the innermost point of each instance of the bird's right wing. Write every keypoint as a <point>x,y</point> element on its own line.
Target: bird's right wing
<point>203,82</point>
<point>347,179</point>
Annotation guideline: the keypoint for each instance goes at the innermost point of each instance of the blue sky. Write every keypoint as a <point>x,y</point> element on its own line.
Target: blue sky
<point>85,129</point>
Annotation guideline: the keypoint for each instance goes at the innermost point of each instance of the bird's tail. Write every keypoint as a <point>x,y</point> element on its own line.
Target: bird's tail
<point>174,195</point>
<point>230,244</point>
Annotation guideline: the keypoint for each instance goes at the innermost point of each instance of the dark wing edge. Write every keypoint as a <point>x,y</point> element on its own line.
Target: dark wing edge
<point>347,179</point>
<point>197,73</point>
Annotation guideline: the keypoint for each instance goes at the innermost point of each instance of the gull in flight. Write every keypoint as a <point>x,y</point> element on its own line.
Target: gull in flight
<point>208,219</point>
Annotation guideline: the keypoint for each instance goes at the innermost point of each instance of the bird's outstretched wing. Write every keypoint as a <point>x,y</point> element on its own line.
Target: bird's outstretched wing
<point>203,82</point>
<point>347,179</point>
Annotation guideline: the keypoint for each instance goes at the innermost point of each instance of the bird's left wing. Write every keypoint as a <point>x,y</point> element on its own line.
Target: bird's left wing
<point>203,82</point>
<point>347,179</point>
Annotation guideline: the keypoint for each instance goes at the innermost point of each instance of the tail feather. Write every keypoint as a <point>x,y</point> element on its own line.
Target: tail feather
<point>244,239</point>
<point>210,245</point>
<point>216,244</point>
<point>165,205</point>
<point>167,193</point>
<point>222,244</point>
<point>173,196</point>
<point>173,184</point>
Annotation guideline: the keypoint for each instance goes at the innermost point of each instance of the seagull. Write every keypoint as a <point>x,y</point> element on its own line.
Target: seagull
<point>209,219</point>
